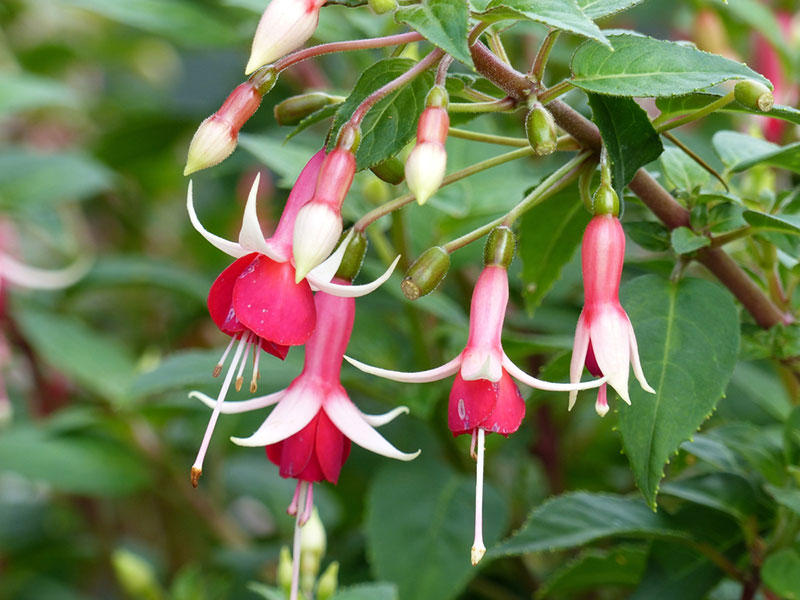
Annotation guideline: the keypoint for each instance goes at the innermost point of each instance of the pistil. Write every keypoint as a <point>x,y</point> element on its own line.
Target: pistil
<point>478,549</point>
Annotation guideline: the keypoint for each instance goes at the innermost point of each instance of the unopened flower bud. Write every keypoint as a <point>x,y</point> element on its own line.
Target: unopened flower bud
<point>136,576</point>
<point>499,248</point>
<point>754,95</point>
<point>313,542</point>
<point>382,6</point>
<point>285,26</point>
<point>376,191</point>
<point>541,130</point>
<point>293,110</point>
<point>425,169</point>
<point>217,136</point>
<point>437,98</point>
<point>353,257</point>
<point>285,570</point>
<point>605,201</point>
<point>426,273</point>
<point>328,582</point>
<point>391,170</point>
<point>316,231</point>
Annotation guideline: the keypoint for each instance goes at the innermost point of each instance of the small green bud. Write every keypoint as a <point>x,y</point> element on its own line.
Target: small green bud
<point>312,548</point>
<point>263,80</point>
<point>136,576</point>
<point>376,191</point>
<point>426,273</point>
<point>353,256</point>
<point>349,138</point>
<point>381,7</point>
<point>605,201</point>
<point>541,130</point>
<point>437,97</point>
<point>328,582</point>
<point>293,110</point>
<point>285,570</point>
<point>754,95</point>
<point>499,248</point>
<point>392,170</point>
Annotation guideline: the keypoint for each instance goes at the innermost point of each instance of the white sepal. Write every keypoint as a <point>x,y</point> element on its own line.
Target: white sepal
<point>42,279</point>
<point>578,359</point>
<point>636,362</point>
<point>251,238</point>
<point>540,384</point>
<point>354,291</point>
<point>378,420</point>
<point>612,349</point>
<point>230,248</point>
<point>300,404</point>
<point>326,271</point>
<point>233,408</point>
<point>447,369</point>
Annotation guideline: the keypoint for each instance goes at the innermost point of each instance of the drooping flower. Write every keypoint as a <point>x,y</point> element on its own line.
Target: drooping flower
<point>285,25</point>
<point>484,398</point>
<point>426,164</point>
<point>257,300</point>
<point>604,339</point>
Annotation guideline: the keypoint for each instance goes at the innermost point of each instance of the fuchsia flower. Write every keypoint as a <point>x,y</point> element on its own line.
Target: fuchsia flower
<point>308,434</point>
<point>484,398</point>
<point>285,25</point>
<point>604,338</point>
<point>768,61</point>
<point>257,300</point>
<point>425,166</point>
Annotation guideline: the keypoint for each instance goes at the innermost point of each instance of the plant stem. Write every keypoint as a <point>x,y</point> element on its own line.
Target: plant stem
<point>554,92</point>
<point>719,559</point>
<point>441,72</point>
<point>487,138</point>
<point>698,114</point>
<point>539,64</point>
<point>401,201</point>
<point>497,47</point>
<point>483,107</point>
<point>365,44</point>
<point>726,238</point>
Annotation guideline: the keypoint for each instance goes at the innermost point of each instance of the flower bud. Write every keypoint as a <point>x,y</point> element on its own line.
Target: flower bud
<point>381,7</point>
<point>426,273</point>
<point>217,136</point>
<point>293,110</point>
<point>353,257</point>
<point>425,169</point>
<point>541,130</point>
<point>285,26</point>
<point>136,576</point>
<point>328,582</point>
<point>313,542</point>
<point>376,191</point>
<point>754,95</point>
<point>316,231</point>
<point>605,201</point>
<point>391,170</point>
<point>499,248</point>
<point>285,570</point>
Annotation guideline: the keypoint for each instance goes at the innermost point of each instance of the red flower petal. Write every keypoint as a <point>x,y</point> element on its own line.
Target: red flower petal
<point>332,448</point>
<point>591,362</point>
<point>276,350</point>
<point>270,304</point>
<point>509,409</point>
<point>470,403</point>
<point>220,297</point>
<point>297,450</point>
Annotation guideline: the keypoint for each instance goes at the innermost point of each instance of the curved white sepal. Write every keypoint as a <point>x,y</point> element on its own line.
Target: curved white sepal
<point>578,359</point>
<point>636,363</point>
<point>230,248</point>
<point>349,420</point>
<point>233,408</point>
<point>295,411</point>
<point>539,384</point>
<point>378,420</point>
<point>326,271</point>
<point>612,349</point>
<point>251,238</point>
<point>43,279</point>
<point>447,369</point>
<point>355,291</point>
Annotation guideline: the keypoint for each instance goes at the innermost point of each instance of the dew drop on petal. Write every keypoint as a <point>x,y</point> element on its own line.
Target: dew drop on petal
<point>462,409</point>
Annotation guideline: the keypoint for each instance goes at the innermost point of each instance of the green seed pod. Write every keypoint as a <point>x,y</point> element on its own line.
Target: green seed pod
<point>499,248</point>
<point>293,110</point>
<point>426,273</point>
<point>264,79</point>
<point>136,576</point>
<point>349,138</point>
<point>328,582</point>
<point>381,7</point>
<point>541,129</point>
<point>585,184</point>
<point>392,170</point>
<point>605,201</point>
<point>353,256</point>
<point>754,95</point>
<point>437,97</point>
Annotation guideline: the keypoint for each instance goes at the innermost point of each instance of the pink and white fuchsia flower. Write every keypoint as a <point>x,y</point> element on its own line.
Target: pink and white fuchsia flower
<point>604,339</point>
<point>257,300</point>
<point>484,398</point>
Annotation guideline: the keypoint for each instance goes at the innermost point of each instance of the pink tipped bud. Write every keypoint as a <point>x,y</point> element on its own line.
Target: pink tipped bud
<point>285,26</point>
<point>433,125</point>
<point>316,231</point>
<point>217,136</point>
<point>425,169</point>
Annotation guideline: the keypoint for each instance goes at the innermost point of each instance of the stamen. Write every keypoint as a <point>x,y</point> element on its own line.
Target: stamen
<point>256,374</point>
<point>302,487</point>
<point>478,549</point>
<point>472,444</point>
<point>309,505</point>
<point>197,467</point>
<point>218,368</point>
<point>239,378</point>
<point>292,510</point>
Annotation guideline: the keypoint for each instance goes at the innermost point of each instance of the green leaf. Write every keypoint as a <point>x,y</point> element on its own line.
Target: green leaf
<point>22,91</point>
<point>788,497</point>
<point>686,241</point>
<point>650,235</point>
<point>265,591</point>
<point>97,361</point>
<point>688,337</point>
<point>392,122</point>
<point>40,180</point>
<point>627,134</point>
<point>597,9</point>
<point>565,15</point>
<point>368,591</point>
<point>733,147</point>
<point>621,566</point>
<point>549,235</point>
<point>285,161</point>
<point>727,492</point>
<point>73,464</point>
<point>680,105</point>
<point>577,518</point>
<point>182,21</point>
<point>681,171</point>
<point>643,67</point>
<point>444,23</point>
<point>786,157</point>
<point>315,117</point>
<point>419,528</point>
<point>781,573</point>
<point>789,224</point>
